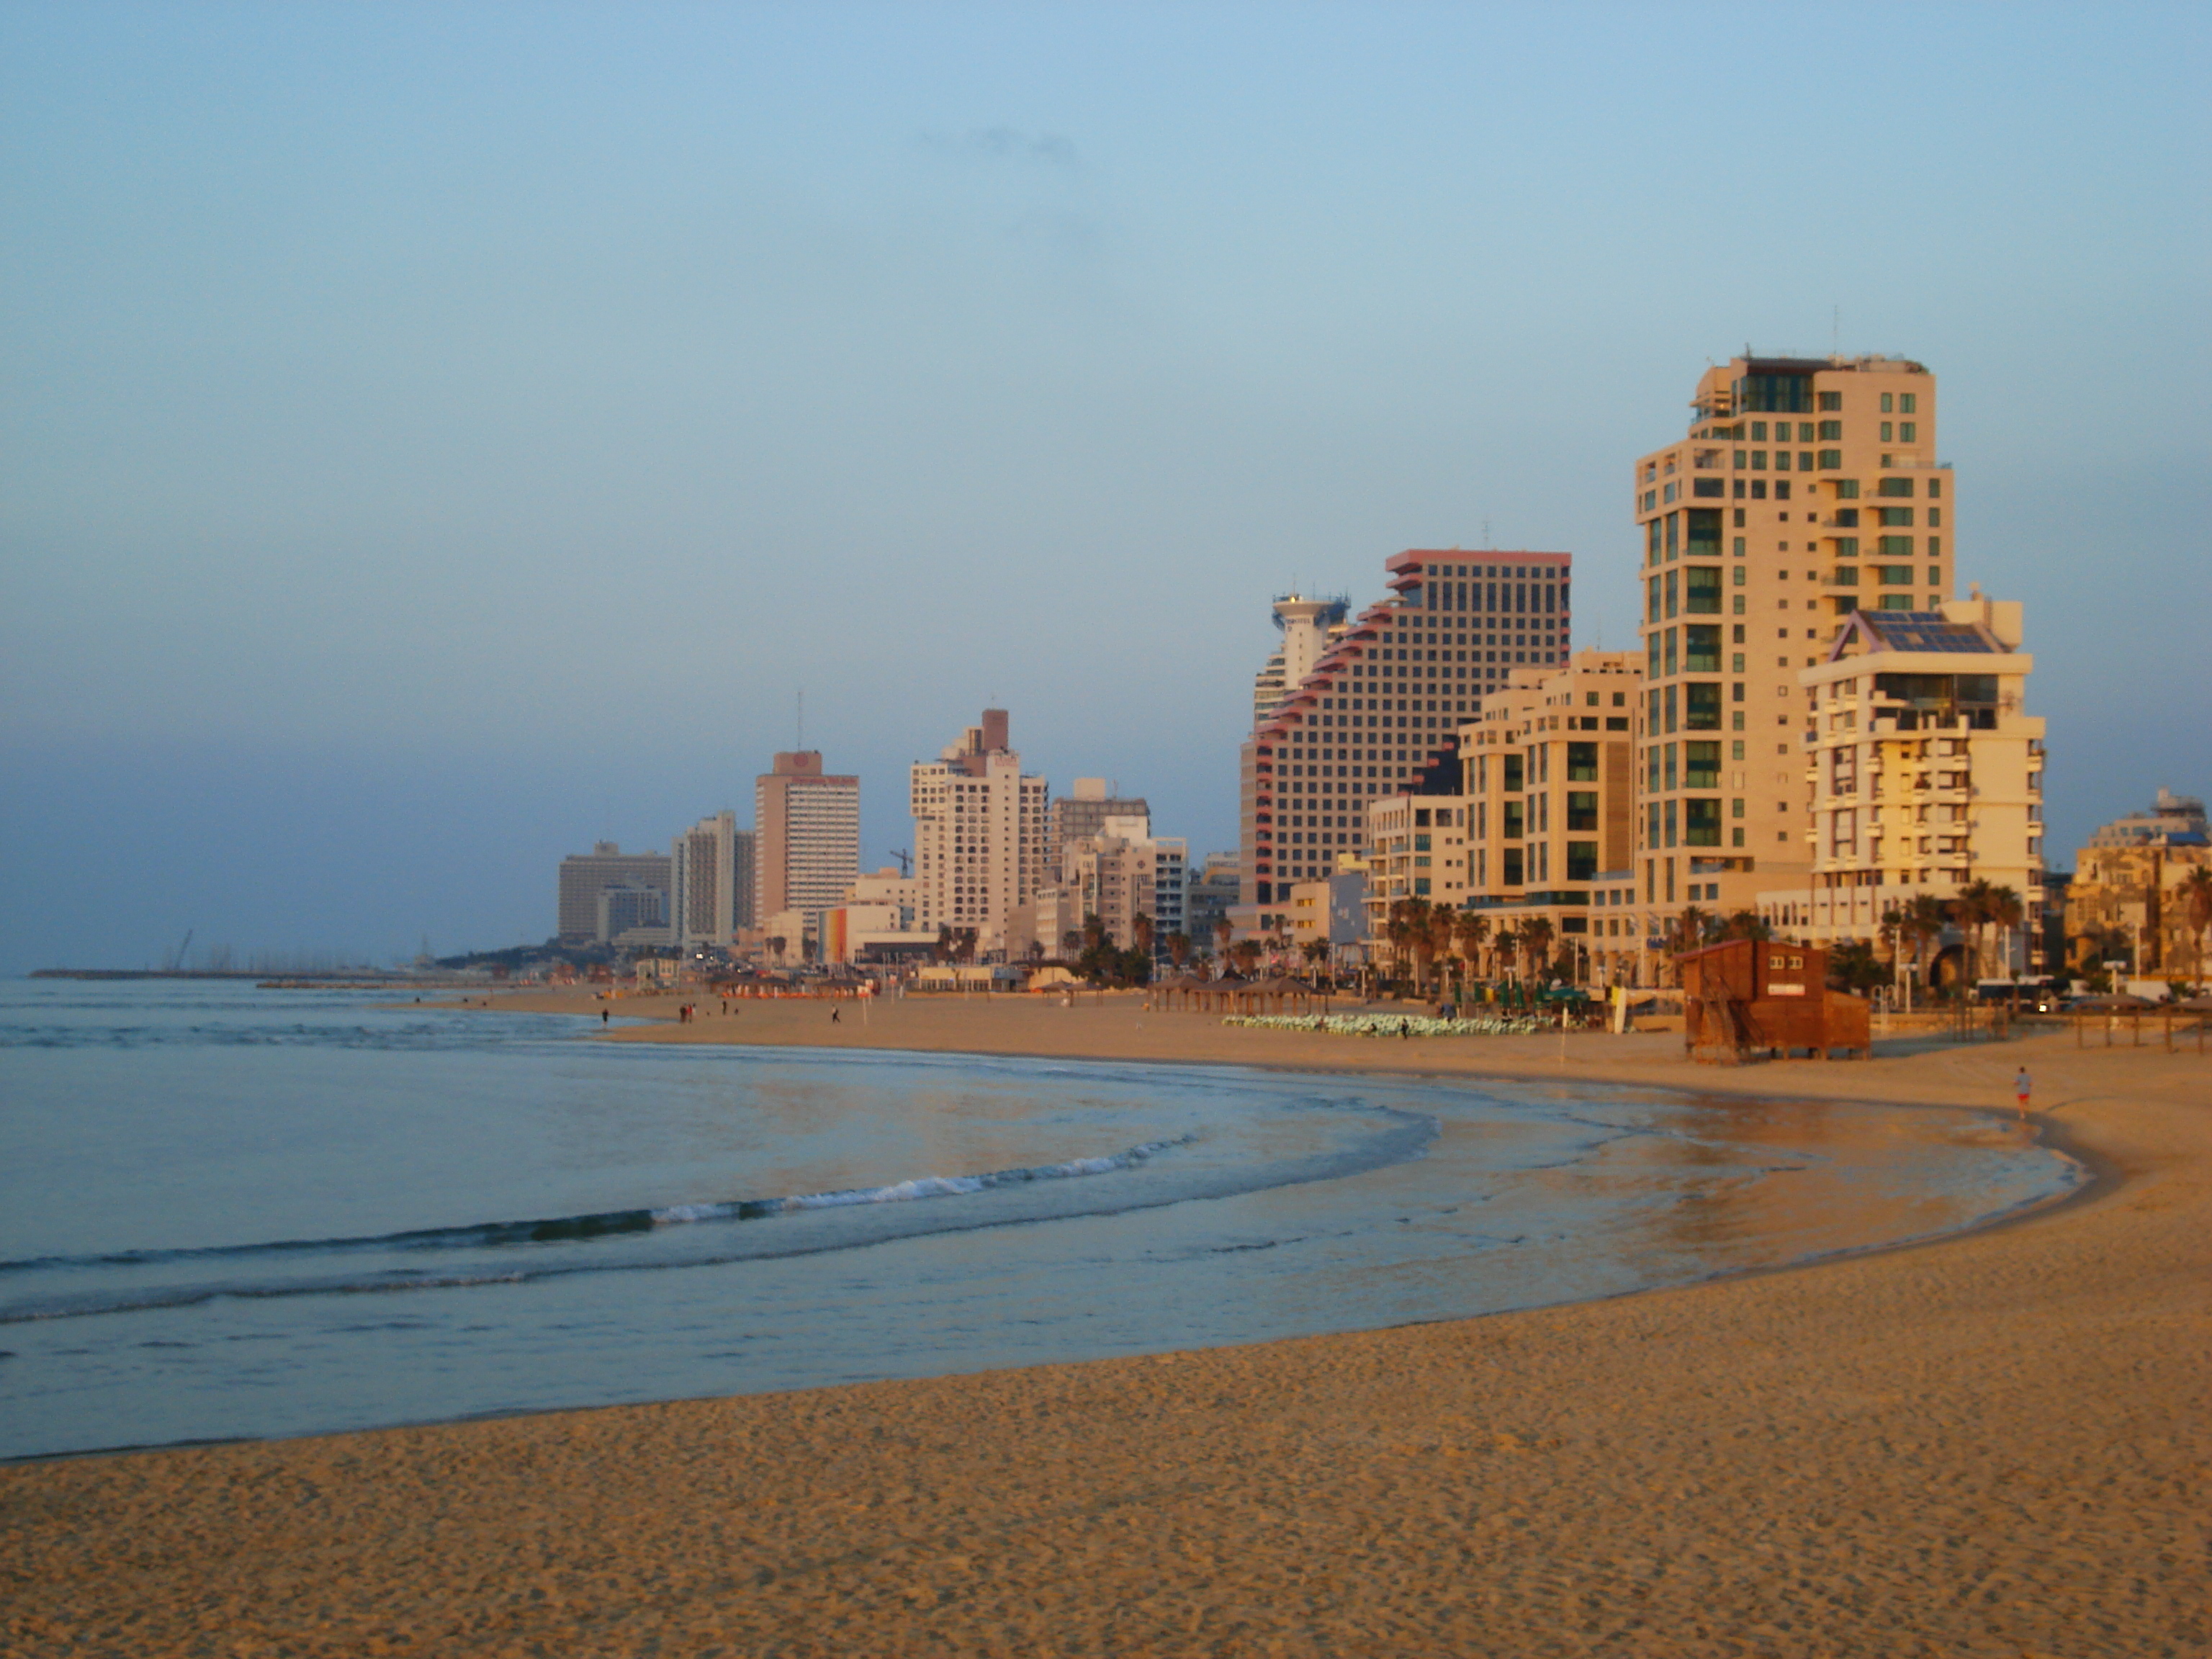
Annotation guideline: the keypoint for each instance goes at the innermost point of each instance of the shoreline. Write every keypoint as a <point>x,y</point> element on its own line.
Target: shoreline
<point>1994,1446</point>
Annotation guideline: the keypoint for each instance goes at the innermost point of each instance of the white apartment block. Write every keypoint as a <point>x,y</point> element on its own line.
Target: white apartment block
<point>1126,871</point>
<point>1923,771</point>
<point>979,842</point>
<point>705,864</point>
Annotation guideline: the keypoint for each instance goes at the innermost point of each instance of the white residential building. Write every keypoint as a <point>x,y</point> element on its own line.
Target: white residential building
<point>980,844</point>
<point>1924,774</point>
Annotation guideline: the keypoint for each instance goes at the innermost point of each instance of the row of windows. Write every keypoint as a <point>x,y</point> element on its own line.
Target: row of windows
<point>1521,598</point>
<point>1846,489</point>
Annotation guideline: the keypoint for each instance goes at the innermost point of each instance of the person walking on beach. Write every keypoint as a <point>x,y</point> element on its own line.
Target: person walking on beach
<point>2022,1087</point>
<point>833,1017</point>
<point>603,1016</point>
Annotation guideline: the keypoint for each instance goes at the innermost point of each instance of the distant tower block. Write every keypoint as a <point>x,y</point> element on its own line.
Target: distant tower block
<point>806,836</point>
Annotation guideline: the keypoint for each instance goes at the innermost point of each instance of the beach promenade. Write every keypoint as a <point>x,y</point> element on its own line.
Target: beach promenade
<point>1995,1444</point>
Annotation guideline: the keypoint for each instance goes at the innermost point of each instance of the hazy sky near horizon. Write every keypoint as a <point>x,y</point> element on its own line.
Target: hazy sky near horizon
<point>433,437</point>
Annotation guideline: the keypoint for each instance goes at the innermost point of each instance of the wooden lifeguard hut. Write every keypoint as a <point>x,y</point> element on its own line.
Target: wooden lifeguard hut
<point>1746,998</point>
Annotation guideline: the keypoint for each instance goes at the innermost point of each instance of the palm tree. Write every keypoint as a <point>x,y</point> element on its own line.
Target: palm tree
<point>1690,930</point>
<point>1409,933</point>
<point>1925,919</point>
<point>1140,934</point>
<point>1317,952</point>
<point>2194,901</point>
<point>1245,954</point>
<point>1748,924</point>
<point>1505,945</point>
<point>1070,944</point>
<point>1536,940</point>
<point>1444,928</point>
<point>1468,933</point>
<point>1223,933</point>
<point>2002,909</point>
<point>1969,911</point>
<point>1178,945</point>
<point>776,944</point>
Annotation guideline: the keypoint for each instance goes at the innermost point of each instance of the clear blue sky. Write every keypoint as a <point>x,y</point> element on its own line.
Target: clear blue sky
<point>432,437</point>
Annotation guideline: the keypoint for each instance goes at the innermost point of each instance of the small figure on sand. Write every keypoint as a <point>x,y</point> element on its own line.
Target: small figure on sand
<point>833,1017</point>
<point>603,1016</point>
<point>2022,1087</point>
<point>1405,1030</point>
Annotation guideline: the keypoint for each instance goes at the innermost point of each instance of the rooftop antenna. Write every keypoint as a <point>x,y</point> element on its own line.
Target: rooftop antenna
<point>1836,333</point>
<point>800,746</point>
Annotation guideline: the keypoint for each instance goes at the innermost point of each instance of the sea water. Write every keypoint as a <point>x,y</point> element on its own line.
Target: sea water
<point>230,1212</point>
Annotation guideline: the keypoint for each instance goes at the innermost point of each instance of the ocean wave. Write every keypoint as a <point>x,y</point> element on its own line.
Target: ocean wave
<point>604,1224</point>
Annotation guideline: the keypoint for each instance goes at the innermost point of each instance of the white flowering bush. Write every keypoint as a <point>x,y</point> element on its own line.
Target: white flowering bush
<point>1390,1025</point>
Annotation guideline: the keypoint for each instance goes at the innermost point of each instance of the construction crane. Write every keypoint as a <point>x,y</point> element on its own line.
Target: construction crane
<point>177,961</point>
<point>905,856</point>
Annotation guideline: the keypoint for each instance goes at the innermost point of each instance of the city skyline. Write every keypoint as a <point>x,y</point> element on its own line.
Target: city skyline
<point>353,374</point>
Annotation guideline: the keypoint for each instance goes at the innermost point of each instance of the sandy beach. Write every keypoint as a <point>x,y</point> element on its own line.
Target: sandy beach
<point>1994,1444</point>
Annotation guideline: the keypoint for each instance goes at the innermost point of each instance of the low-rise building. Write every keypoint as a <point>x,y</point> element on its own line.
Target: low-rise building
<point>2129,899</point>
<point>1331,913</point>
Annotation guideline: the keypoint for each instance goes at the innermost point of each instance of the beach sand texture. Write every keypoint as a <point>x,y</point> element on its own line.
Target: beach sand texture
<point>1997,1444</point>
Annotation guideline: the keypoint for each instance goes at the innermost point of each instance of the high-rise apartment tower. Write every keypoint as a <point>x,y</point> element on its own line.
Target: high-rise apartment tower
<point>979,834</point>
<point>1379,706</point>
<point>1804,489</point>
<point>806,836</point>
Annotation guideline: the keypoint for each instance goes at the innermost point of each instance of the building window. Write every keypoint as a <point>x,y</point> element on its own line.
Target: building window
<point>1701,765</point>
<point>1888,403</point>
<point>1895,518</point>
<point>1701,590</point>
<point>1895,575</point>
<point>1582,860</point>
<point>1701,704</point>
<point>1509,864</point>
<point>1701,646</point>
<point>1701,822</point>
<point>1908,432</point>
<point>1582,810</point>
<point>1831,400</point>
<point>1894,487</point>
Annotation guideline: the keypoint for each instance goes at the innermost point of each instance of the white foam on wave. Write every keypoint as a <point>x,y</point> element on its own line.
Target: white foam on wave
<point>917,1187</point>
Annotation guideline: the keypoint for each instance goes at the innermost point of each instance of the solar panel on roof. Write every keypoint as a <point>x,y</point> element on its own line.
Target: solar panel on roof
<point>1926,630</point>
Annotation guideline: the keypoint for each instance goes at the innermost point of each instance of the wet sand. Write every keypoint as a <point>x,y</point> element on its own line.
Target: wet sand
<point>1995,1444</point>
